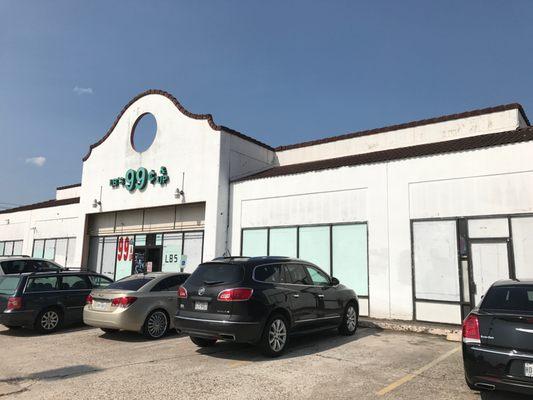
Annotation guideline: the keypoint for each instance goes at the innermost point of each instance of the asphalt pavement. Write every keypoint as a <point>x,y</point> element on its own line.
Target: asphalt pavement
<point>86,363</point>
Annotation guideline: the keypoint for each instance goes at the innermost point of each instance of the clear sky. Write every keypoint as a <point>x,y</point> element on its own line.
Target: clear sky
<point>280,71</point>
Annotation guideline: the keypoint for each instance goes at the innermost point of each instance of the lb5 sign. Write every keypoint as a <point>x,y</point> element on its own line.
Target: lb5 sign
<point>138,179</point>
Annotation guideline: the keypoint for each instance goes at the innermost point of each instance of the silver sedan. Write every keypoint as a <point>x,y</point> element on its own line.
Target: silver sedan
<point>143,303</point>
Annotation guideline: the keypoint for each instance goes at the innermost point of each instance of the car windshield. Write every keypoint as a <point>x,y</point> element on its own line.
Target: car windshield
<point>130,283</point>
<point>9,284</point>
<point>509,298</point>
<point>216,273</point>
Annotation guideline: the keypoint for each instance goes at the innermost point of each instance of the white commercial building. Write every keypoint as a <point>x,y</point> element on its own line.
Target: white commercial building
<point>418,218</point>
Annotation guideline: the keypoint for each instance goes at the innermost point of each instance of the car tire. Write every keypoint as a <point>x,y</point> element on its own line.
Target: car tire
<point>109,330</point>
<point>350,320</point>
<point>156,325</point>
<point>203,342</point>
<point>275,336</point>
<point>49,320</point>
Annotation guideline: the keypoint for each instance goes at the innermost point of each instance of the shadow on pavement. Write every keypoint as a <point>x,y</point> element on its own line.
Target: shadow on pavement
<point>28,332</point>
<point>134,337</point>
<point>297,346</point>
<point>502,396</point>
<point>57,373</point>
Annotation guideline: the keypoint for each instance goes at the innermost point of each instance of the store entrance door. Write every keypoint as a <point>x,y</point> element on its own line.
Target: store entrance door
<point>490,263</point>
<point>146,259</point>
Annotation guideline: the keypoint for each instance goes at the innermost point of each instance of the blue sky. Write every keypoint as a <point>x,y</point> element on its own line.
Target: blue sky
<point>280,71</point>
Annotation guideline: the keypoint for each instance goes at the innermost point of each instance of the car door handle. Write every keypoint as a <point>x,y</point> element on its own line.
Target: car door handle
<point>320,296</point>
<point>295,296</point>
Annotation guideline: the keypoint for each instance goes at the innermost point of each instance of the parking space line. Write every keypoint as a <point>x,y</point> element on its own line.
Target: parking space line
<point>414,374</point>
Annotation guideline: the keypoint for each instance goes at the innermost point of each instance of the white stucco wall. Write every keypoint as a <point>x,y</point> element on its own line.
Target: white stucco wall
<point>68,193</point>
<point>199,161</point>
<point>489,181</point>
<point>438,132</point>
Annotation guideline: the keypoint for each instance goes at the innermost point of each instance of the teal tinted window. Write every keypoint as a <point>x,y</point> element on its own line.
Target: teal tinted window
<point>350,256</point>
<point>254,242</point>
<point>314,245</point>
<point>283,242</point>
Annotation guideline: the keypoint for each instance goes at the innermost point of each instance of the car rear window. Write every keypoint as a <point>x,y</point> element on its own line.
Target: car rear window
<point>9,284</point>
<point>509,298</point>
<point>216,273</point>
<point>130,283</point>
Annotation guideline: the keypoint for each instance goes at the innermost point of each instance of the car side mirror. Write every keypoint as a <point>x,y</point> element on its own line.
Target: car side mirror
<point>334,281</point>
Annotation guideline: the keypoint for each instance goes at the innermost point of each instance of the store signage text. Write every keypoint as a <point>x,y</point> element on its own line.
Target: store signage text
<point>138,179</point>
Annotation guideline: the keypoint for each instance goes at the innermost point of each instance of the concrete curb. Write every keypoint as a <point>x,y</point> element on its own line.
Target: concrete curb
<point>450,332</point>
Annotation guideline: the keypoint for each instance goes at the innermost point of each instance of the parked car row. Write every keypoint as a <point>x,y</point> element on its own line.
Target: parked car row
<point>259,300</point>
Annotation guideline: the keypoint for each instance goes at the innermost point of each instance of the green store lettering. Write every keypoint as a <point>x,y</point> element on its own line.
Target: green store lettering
<point>139,179</point>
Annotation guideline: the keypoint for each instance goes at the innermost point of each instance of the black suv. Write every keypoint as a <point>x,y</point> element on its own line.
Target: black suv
<point>262,300</point>
<point>46,300</point>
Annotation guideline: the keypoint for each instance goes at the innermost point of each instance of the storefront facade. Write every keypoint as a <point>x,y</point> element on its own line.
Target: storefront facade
<point>418,218</point>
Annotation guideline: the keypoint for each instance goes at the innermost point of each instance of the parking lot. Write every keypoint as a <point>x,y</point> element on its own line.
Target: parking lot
<point>89,364</point>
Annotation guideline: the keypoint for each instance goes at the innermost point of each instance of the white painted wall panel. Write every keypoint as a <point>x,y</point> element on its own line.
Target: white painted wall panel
<point>448,130</point>
<point>304,209</point>
<point>505,193</point>
<point>488,228</point>
<point>435,312</point>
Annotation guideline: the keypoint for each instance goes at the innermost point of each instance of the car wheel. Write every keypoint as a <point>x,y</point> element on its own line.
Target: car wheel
<point>109,330</point>
<point>203,342</point>
<point>275,336</point>
<point>48,320</point>
<point>156,325</point>
<point>349,320</point>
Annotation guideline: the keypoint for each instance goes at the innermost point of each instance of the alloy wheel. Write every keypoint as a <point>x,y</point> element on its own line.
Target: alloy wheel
<point>277,335</point>
<point>49,320</point>
<point>351,319</point>
<point>157,324</point>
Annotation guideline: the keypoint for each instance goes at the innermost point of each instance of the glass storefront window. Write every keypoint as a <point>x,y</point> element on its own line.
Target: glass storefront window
<point>314,246</point>
<point>350,259</point>
<point>283,242</point>
<point>254,242</point>
<point>192,248</point>
<point>172,250</point>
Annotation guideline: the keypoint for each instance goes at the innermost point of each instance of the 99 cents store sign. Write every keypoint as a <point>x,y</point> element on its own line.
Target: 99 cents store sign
<point>138,179</point>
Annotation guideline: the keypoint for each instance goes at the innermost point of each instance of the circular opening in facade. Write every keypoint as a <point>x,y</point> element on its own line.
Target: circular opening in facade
<point>143,132</point>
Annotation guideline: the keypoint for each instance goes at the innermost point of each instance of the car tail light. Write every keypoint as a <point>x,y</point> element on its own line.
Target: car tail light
<point>471,330</point>
<point>237,294</point>
<point>123,302</point>
<point>89,299</point>
<point>14,303</point>
<point>182,292</point>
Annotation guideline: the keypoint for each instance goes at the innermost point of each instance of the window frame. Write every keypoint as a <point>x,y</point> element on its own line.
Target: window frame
<point>277,264</point>
<point>83,277</point>
<point>25,291</point>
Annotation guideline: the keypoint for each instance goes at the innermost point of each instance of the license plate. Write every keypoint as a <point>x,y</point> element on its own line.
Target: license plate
<point>528,370</point>
<point>99,306</point>
<point>200,305</point>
